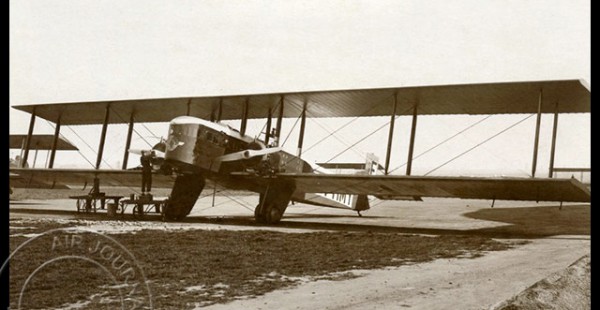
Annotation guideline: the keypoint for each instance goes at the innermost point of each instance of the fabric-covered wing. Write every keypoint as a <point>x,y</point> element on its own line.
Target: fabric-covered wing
<point>491,98</point>
<point>456,187</point>
<point>74,178</point>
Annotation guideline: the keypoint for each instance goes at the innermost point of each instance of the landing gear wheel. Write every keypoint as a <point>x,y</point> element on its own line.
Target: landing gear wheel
<point>273,202</point>
<point>273,214</point>
<point>268,213</point>
<point>259,215</point>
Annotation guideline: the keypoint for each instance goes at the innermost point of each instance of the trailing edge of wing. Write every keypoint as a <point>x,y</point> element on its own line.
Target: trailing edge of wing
<point>457,187</point>
<point>491,98</point>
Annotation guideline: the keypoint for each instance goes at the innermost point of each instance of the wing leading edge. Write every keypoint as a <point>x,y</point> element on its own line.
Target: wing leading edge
<point>572,96</point>
<point>568,190</point>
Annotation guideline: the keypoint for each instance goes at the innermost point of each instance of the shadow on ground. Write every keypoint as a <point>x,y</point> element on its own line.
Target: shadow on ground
<point>537,221</point>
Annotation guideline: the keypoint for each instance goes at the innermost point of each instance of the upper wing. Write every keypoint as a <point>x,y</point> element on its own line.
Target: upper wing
<point>492,98</point>
<point>457,187</point>
<point>61,178</point>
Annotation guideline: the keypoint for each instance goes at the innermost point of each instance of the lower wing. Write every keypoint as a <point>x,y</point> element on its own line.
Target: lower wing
<point>456,187</point>
<point>71,178</point>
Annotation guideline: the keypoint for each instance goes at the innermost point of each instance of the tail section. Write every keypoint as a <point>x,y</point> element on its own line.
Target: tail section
<point>361,202</point>
<point>345,201</point>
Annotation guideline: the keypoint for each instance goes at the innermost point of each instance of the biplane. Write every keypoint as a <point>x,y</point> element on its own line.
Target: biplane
<point>199,148</point>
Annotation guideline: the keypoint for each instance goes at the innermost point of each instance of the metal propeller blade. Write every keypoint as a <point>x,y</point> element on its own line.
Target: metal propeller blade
<point>158,154</point>
<point>247,154</point>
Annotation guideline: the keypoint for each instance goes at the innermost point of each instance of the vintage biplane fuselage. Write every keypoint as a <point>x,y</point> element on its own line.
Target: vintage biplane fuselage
<point>195,145</point>
<point>197,149</point>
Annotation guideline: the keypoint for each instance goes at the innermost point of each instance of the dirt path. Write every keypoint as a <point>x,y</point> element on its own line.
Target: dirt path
<point>445,283</point>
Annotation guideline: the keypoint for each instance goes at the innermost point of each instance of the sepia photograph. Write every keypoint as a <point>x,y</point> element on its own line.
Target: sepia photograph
<point>299,155</point>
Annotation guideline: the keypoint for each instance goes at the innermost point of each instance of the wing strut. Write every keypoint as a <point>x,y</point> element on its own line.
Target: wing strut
<point>217,111</point>
<point>411,147</point>
<point>244,120</point>
<point>47,157</point>
<point>54,142</point>
<point>28,142</point>
<point>102,137</point>
<point>553,147</point>
<point>537,134</point>
<point>35,156</point>
<point>220,111</point>
<point>128,141</point>
<point>391,135</point>
<point>268,133</point>
<point>302,127</point>
<point>279,120</point>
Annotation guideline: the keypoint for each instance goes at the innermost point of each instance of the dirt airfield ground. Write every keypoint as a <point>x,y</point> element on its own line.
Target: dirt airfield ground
<point>549,240</point>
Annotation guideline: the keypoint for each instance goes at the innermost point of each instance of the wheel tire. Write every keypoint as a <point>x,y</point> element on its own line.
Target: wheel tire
<point>259,216</point>
<point>273,214</point>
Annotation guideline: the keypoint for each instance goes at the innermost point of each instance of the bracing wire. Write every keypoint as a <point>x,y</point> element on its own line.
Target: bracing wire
<point>228,195</point>
<point>357,142</point>
<point>446,140</point>
<point>91,148</point>
<point>291,130</point>
<point>467,151</point>
<point>150,131</point>
<point>358,152</point>
<point>479,144</point>
<point>367,136</point>
<point>134,130</point>
<point>332,133</point>
<point>86,159</point>
<point>80,138</point>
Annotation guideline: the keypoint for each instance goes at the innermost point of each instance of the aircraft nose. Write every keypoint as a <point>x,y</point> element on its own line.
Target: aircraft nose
<point>173,142</point>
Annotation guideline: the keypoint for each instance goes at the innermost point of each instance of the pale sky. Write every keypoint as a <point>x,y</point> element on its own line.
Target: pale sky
<point>62,51</point>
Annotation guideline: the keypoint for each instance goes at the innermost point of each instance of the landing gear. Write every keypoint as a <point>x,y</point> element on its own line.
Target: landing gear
<point>273,202</point>
<point>183,196</point>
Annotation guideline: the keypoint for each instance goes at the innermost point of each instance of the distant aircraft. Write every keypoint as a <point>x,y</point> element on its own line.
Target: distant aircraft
<point>198,149</point>
<point>37,143</point>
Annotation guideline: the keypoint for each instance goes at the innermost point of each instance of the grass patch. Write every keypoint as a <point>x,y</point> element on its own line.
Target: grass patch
<point>187,268</point>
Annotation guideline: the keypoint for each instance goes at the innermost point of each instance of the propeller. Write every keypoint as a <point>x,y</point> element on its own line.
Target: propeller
<point>158,154</point>
<point>247,154</point>
<point>159,149</point>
